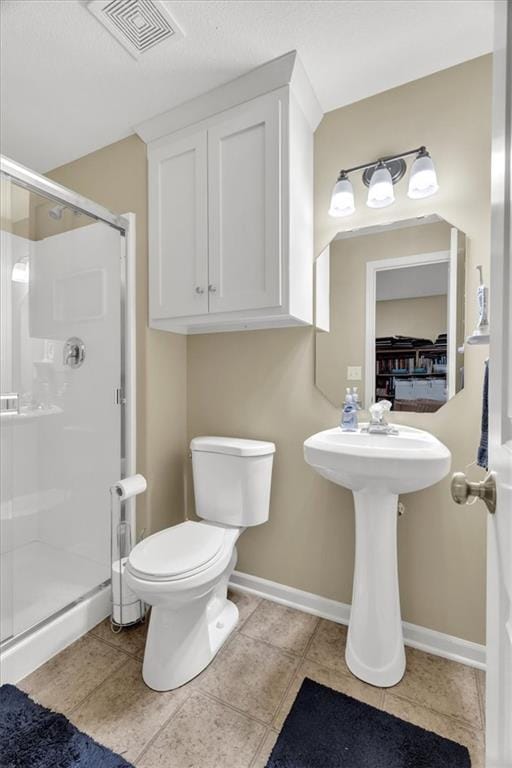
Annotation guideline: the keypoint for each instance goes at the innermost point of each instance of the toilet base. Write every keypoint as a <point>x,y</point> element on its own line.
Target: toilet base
<point>180,644</point>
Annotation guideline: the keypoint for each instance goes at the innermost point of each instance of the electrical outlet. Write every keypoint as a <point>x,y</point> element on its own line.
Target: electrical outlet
<point>354,373</point>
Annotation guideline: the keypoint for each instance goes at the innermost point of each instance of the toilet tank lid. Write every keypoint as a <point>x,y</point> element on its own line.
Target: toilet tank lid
<point>235,446</point>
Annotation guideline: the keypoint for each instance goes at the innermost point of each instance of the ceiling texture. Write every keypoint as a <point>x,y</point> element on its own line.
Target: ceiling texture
<point>68,87</point>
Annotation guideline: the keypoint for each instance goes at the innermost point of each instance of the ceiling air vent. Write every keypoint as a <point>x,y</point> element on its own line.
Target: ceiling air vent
<point>137,24</point>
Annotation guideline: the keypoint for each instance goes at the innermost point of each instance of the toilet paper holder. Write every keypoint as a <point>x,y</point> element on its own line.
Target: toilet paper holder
<point>126,608</point>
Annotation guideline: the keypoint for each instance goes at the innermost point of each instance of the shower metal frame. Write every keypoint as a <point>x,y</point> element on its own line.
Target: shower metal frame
<point>125,224</point>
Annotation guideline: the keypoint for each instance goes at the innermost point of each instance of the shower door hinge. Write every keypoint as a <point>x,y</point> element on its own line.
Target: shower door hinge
<point>120,399</point>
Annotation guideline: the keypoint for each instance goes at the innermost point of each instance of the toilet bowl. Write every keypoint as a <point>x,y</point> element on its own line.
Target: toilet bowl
<point>183,572</point>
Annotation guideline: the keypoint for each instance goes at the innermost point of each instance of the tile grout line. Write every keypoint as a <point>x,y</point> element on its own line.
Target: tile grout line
<point>271,728</point>
<point>116,647</point>
<point>286,651</point>
<point>95,689</point>
<point>260,747</point>
<point>481,697</point>
<point>466,724</point>
<point>244,622</point>
<point>162,727</point>
<point>207,695</point>
<point>255,719</point>
<point>288,688</point>
<point>313,635</point>
<point>291,654</point>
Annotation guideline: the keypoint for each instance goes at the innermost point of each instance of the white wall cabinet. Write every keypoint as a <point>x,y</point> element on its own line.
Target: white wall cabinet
<point>244,208</point>
<point>178,227</point>
<point>231,205</point>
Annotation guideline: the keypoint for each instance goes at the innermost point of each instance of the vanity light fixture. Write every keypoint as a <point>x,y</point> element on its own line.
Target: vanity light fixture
<point>380,176</point>
<point>423,180</point>
<point>380,192</point>
<point>342,199</point>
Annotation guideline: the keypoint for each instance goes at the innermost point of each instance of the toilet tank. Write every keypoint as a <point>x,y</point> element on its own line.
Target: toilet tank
<point>232,479</point>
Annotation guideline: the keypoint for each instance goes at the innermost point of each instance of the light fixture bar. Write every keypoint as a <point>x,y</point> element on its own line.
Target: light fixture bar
<point>382,160</point>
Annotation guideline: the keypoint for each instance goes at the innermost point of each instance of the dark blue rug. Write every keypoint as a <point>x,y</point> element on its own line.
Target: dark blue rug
<point>327,729</point>
<point>32,736</point>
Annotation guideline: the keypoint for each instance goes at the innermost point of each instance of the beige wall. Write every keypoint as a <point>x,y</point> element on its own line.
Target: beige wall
<point>345,344</point>
<point>423,317</point>
<point>261,383</point>
<point>116,177</point>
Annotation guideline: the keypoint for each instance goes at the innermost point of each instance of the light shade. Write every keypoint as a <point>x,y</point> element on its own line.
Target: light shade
<point>342,198</point>
<point>423,180</point>
<point>380,193</point>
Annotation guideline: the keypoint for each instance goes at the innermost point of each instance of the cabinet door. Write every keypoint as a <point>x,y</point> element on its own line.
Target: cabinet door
<point>244,208</point>
<point>178,227</point>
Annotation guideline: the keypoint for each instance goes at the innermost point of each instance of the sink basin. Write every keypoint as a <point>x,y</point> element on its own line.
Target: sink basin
<point>409,461</point>
<point>377,468</point>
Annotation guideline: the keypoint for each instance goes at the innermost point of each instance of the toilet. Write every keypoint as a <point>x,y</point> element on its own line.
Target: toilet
<point>183,572</point>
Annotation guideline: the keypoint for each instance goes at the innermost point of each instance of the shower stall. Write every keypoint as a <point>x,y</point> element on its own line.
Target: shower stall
<point>67,427</point>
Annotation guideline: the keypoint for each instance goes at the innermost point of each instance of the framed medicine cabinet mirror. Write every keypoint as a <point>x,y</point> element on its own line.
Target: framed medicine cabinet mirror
<point>390,305</point>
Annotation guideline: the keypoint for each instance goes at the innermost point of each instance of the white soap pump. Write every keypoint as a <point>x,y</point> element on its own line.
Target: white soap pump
<point>481,333</point>
<point>349,414</point>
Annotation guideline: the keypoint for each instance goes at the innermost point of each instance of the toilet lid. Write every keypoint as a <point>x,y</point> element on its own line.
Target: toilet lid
<point>177,550</point>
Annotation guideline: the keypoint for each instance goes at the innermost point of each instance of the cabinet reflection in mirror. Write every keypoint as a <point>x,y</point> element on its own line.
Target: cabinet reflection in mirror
<point>390,302</point>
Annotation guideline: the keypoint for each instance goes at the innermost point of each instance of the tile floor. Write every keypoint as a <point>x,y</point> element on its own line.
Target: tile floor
<point>231,714</point>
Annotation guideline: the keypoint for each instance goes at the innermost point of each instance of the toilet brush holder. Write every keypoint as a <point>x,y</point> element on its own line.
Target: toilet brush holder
<point>126,608</point>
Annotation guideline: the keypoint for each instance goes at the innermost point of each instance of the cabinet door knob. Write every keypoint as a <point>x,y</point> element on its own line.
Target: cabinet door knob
<point>212,288</point>
<point>199,290</point>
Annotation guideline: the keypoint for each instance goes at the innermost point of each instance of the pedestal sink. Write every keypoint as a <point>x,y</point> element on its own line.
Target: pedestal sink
<point>376,468</point>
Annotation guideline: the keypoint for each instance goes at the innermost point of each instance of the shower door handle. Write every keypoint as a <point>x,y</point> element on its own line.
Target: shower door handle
<point>10,403</point>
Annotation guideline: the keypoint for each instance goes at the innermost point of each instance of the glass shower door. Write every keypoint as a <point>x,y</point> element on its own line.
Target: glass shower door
<point>60,426</point>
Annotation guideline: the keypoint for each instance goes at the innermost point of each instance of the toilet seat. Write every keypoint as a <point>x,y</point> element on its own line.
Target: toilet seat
<point>177,552</point>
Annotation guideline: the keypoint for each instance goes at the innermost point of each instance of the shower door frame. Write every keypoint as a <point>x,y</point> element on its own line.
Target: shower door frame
<point>125,224</point>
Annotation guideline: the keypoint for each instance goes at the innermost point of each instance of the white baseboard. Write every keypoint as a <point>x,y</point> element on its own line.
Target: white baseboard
<point>437,643</point>
<point>24,656</point>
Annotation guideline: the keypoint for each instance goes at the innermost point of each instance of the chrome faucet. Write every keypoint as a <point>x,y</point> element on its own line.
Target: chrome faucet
<point>378,424</point>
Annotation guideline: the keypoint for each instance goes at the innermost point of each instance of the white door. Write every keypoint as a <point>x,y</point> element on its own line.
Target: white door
<point>499,568</point>
<point>244,154</point>
<point>178,227</point>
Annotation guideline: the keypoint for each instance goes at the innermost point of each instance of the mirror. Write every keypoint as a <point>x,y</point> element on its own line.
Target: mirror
<point>390,303</point>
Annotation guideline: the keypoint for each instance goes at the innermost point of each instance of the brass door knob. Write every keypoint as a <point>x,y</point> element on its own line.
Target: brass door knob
<point>462,489</point>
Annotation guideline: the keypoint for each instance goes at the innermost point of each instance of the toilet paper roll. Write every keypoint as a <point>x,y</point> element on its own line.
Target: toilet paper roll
<point>131,486</point>
<point>131,604</point>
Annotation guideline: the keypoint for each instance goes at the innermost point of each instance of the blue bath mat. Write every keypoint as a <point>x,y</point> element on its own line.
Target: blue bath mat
<point>32,736</point>
<point>327,729</point>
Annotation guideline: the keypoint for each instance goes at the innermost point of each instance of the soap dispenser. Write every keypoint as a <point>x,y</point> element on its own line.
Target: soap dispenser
<point>349,414</point>
<point>355,399</point>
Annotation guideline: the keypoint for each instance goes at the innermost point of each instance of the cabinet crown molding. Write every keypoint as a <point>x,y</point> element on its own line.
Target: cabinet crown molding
<point>286,70</point>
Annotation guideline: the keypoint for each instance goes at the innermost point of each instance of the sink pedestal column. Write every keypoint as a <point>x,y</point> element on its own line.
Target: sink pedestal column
<point>375,647</point>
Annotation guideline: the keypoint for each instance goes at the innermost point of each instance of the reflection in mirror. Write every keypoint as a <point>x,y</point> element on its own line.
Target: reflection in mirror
<point>390,314</point>
<point>410,332</point>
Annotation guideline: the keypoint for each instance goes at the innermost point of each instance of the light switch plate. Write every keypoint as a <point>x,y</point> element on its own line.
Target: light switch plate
<point>354,373</point>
